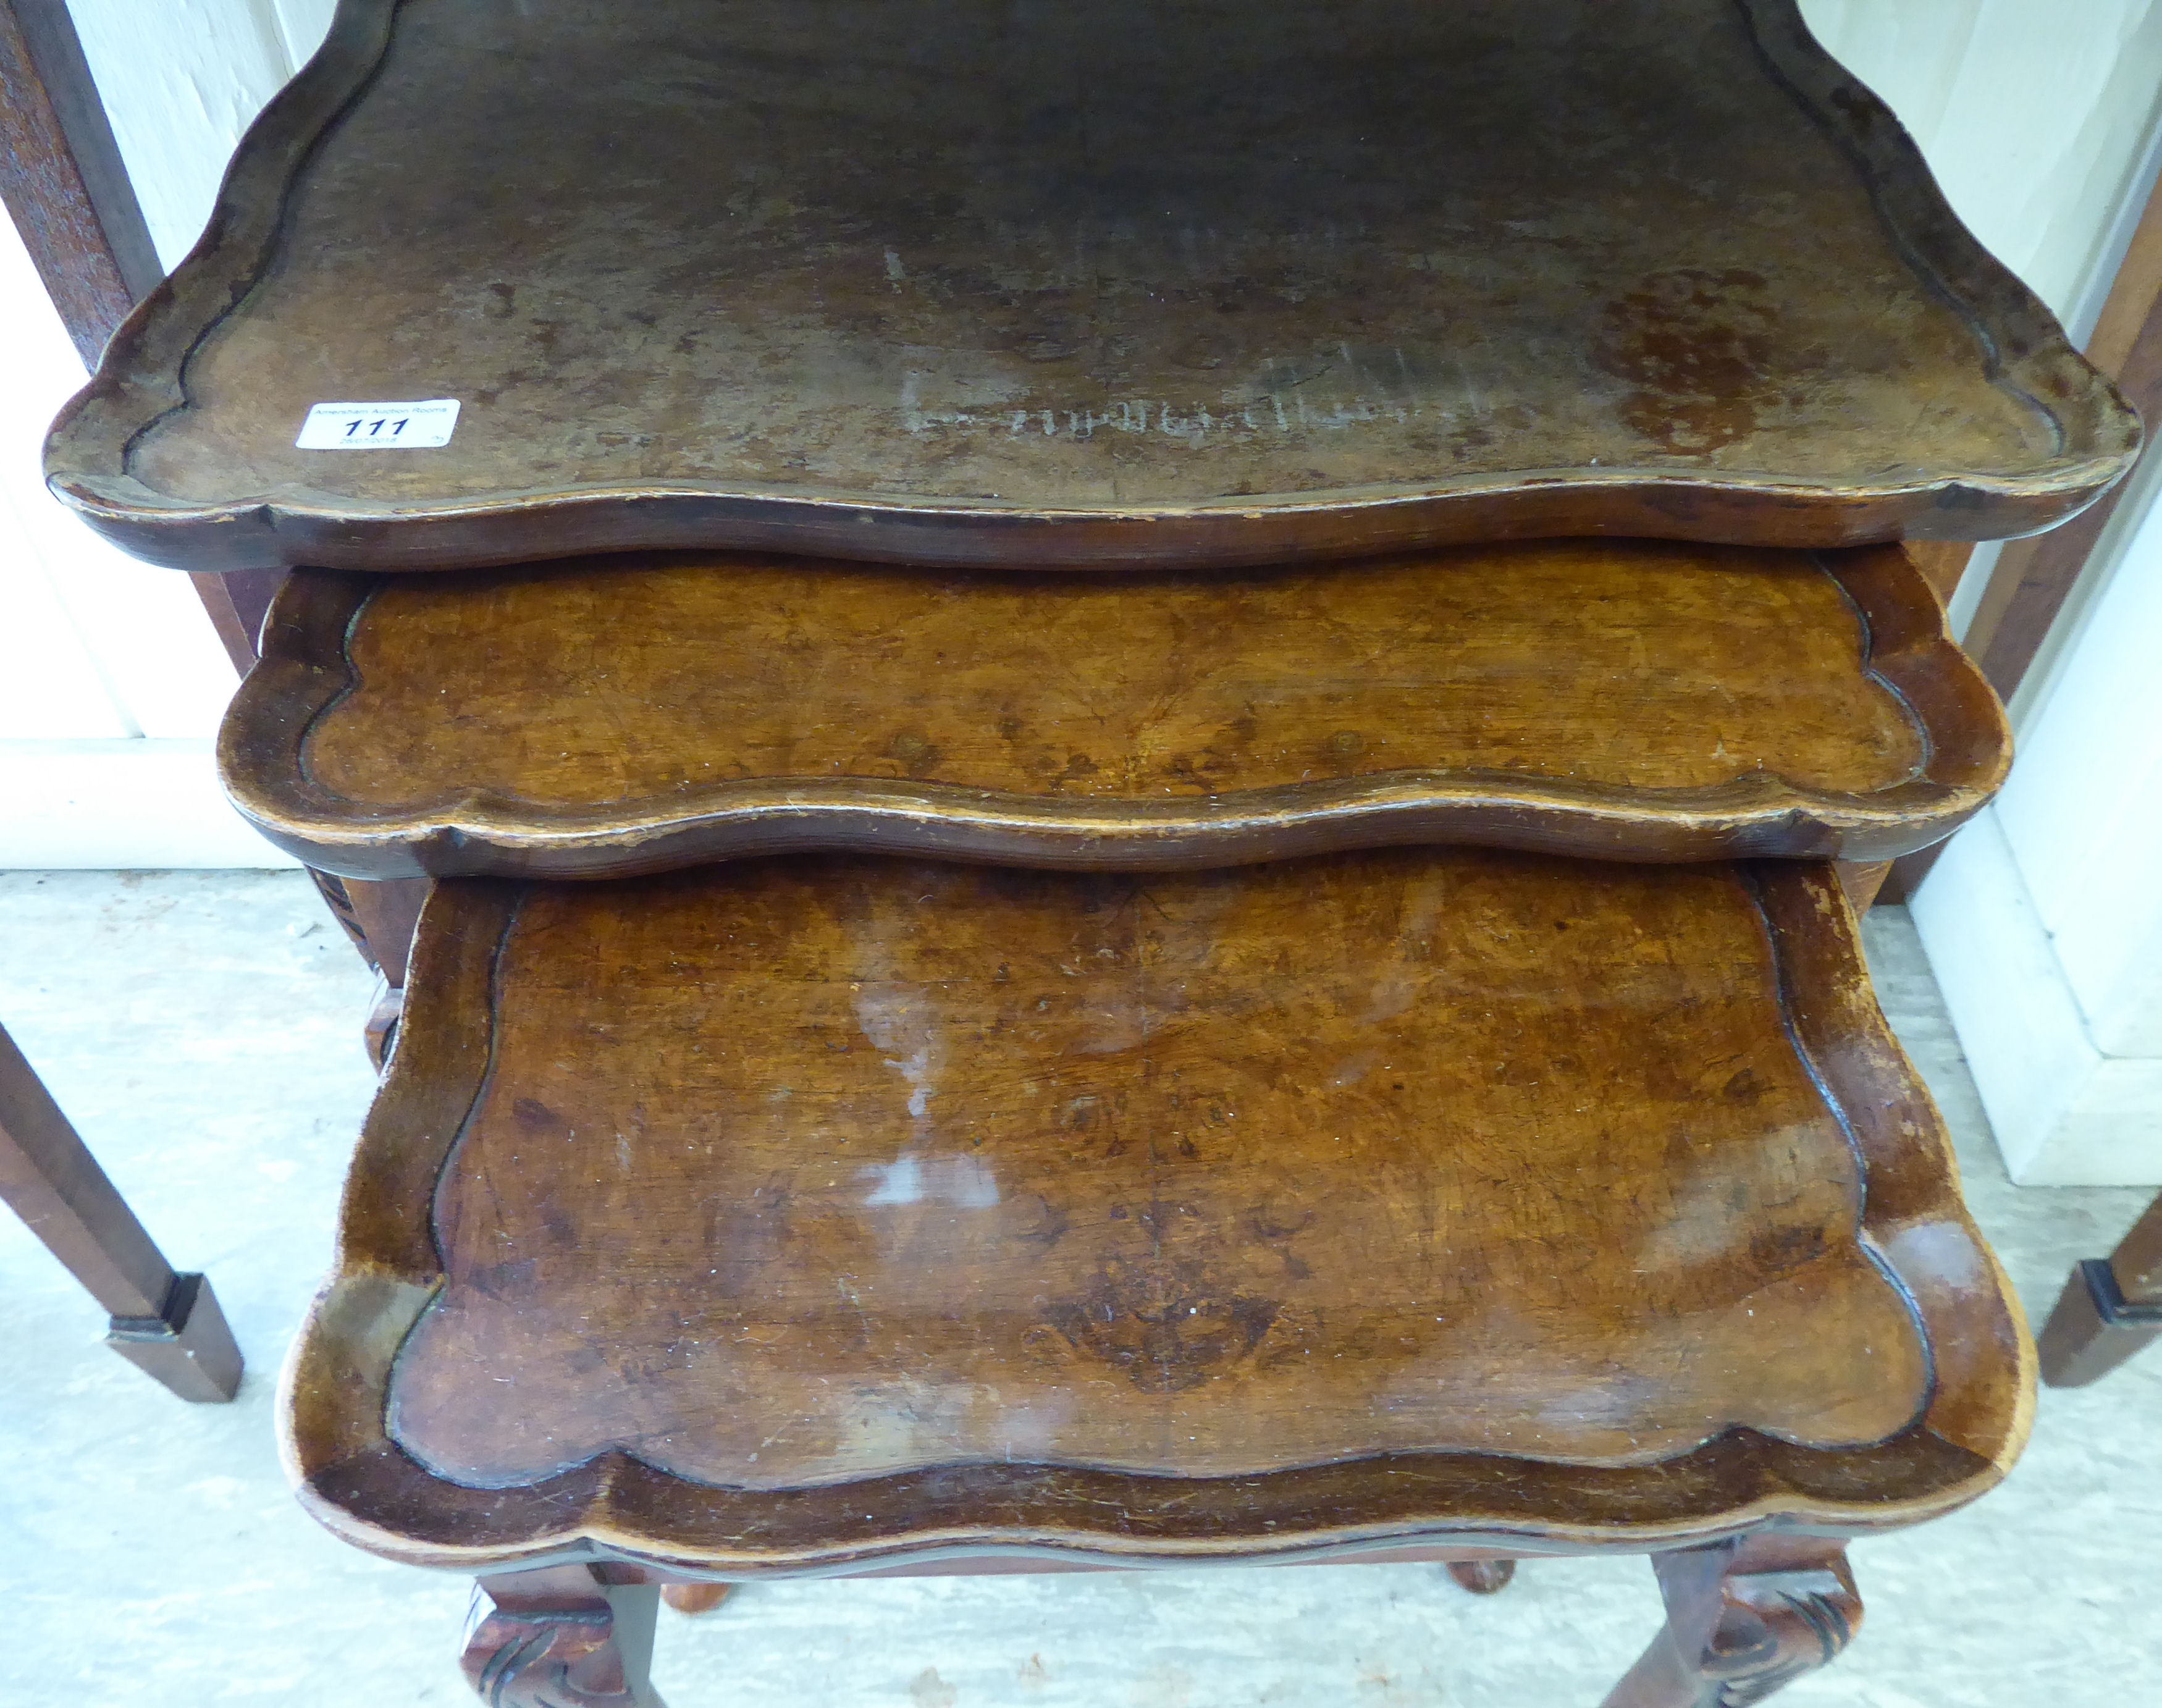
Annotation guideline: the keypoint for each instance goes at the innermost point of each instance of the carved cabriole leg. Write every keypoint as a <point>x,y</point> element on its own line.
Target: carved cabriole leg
<point>695,1598</point>
<point>559,1638</point>
<point>1482,1577</point>
<point>1743,1619</point>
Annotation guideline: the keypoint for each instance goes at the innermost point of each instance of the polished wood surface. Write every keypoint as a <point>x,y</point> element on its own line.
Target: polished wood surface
<point>825,1211</point>
<point>943,281</point>
<point>166,1324</point>
<point>1093,1173</point>
<point>1628,698</point>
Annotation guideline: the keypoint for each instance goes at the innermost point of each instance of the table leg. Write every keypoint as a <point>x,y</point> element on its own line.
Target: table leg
<point>381,919</point>
<point>2109,1309</point>
<point>1862,879</point>
<point>1743,1620</point>
<point>691,1598</point>
<point>168,1324</point>
<point>559,1638</point>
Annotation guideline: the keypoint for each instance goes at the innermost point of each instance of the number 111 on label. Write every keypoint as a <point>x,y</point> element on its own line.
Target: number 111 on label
<point>379,426</point>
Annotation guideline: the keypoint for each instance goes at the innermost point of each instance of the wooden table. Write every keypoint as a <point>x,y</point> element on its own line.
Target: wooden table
<point>1335,1033</point>
<point>1638,700</point>
<point>940,282</point>
<point>1192,1175</point>
<point>846,1214</point>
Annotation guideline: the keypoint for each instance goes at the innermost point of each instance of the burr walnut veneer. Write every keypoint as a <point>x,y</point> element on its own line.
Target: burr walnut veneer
<point>1628,699</point>
<point>842,1213</point>
<point>953,282</point>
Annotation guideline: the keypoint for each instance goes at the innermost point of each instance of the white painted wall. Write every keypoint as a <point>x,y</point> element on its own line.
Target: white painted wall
<point>2040,134</point>
<point>2044,921</point>
<point>2082,814</point>
<point>2033,113</point>
<point>111,680</point>
<point>181,80</point>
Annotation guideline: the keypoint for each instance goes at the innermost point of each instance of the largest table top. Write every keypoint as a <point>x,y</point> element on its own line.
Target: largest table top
<point>954,282</point>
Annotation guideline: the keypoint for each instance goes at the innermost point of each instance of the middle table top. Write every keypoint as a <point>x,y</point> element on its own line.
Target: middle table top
<point>1634,700</point>
<point>950,282</point>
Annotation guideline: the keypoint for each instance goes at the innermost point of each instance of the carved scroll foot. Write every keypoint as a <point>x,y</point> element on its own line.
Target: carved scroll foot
<point>561,1638</point>
<point>1482,1577</point>
<point>695,1598</point>
<point>1743,1619</point>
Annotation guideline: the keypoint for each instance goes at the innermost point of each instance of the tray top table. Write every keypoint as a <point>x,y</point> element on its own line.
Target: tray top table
<point>1342,1039</point>
<point>816,1213</point>
<point>949,282</point>
<point>1624,699</point>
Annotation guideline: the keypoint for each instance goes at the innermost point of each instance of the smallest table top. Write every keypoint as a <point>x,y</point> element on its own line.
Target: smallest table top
<point>816,1213</point>
<point>1076,285</point>
<point>1633,700</point>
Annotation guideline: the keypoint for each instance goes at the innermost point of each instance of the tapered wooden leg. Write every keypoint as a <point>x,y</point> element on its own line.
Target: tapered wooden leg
<point>380,919</point>
<point>166,1324</point>
<point>1482,1577</point>
<point>1743,1619</point>
<point>380,1033</point>
<point>695,1598</point>
<point>187,1345</point>
<point>559,1638</point>
<point>379,916</point>
<point>1862,880</point>
<point>2109,1309</point>
<point>237,600</point>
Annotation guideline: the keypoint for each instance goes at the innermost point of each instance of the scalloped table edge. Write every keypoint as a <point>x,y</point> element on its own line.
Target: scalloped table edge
<point>1906,648</point>
<point>355,1481</point>
<point>142,379</point>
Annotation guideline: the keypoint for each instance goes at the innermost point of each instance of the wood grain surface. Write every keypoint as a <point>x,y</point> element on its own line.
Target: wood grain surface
<point>1624,698</point>
<point>838,1211</point>
<point>946,282</point>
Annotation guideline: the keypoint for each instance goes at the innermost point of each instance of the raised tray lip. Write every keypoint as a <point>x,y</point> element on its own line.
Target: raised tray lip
<point>143,378</point>
<point>356,1481</point>
<point>1907,650</point>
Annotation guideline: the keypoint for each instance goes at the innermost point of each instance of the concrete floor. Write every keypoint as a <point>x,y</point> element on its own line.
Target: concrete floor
<point>202,1029</point>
